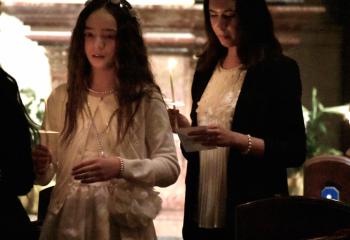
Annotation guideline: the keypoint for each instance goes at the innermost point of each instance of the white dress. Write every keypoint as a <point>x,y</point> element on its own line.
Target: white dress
<point>120,208</point>
<point>216,106</point>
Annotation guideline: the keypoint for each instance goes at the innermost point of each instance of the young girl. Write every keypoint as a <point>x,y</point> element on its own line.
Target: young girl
<point>115,141</point>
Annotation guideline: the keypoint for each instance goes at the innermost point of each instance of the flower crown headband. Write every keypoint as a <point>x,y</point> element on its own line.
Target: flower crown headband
<point>121,3</point>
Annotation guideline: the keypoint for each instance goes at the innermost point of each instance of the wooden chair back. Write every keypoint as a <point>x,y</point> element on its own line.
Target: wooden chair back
<point>291,218</point>
<point>327,171</point>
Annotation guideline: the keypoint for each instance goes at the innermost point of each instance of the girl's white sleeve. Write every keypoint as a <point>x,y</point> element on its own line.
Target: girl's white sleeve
<point>161,167</point>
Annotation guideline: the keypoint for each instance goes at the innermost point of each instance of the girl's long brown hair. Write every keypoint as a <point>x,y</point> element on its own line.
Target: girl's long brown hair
<point>135,79</point>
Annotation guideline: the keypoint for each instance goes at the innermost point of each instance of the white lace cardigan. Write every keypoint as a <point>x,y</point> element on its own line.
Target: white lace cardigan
<point>148,150</point>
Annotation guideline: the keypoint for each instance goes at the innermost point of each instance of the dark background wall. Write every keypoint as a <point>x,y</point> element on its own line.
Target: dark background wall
<point>314,32</point>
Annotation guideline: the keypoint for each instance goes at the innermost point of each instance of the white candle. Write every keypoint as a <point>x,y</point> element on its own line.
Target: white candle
<point>171,65</point>
<point>172,88</point>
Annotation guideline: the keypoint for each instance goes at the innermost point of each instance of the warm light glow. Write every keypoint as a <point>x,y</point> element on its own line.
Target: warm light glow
<point>24,59</point>
<point>132,2</point>
<point>171,64</point>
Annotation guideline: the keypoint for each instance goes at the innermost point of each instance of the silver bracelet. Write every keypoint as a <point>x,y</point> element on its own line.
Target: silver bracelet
<point>250,145</point>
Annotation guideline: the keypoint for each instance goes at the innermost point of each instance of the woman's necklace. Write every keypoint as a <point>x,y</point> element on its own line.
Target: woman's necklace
<point>106,92</point>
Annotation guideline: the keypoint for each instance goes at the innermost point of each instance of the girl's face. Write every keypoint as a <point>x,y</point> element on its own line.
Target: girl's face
<point>223,21</point>
<point>100,39</point>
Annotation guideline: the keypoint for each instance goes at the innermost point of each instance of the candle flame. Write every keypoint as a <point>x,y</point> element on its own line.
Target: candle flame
<point>172,62</point>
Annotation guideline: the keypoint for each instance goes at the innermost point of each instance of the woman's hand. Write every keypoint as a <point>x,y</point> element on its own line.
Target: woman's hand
<point>217,136</point>
<point>214,136</point>
<point>97,170</point>
<point>177,120</point>
<point>41,159</point>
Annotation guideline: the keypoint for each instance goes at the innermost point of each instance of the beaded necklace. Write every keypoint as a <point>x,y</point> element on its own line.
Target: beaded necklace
<point>106,92</point>
<point>99,140</point>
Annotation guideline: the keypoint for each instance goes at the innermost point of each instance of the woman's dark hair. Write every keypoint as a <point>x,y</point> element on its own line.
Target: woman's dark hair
<point>32,126</point>
<point>255,36</point>
<point>132,68</point>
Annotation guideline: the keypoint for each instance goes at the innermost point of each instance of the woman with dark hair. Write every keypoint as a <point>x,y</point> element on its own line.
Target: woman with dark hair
<point>16,166</point>
<point>115,141</point>
<point>248,95</point>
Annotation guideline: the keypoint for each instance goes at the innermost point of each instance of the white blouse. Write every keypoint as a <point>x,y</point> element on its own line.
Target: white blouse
<point>216,106</point>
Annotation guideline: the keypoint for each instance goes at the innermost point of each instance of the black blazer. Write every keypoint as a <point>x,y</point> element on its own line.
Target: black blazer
<point>16,168</point>
<point>269,107</point>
